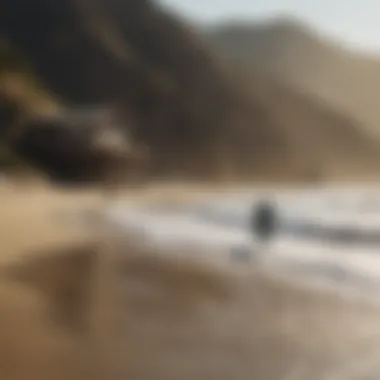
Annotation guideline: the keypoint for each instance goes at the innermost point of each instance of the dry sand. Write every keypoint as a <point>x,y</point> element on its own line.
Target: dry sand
<point>32,218</point>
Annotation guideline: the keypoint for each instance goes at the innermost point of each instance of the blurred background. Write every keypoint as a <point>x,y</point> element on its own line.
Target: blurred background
<point>175,122</point>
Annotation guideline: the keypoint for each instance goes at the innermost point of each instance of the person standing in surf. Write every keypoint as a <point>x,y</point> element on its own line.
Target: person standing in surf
<point>264,221</point>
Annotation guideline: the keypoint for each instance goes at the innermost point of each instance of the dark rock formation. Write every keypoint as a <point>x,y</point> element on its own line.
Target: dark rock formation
<point>76,146</point>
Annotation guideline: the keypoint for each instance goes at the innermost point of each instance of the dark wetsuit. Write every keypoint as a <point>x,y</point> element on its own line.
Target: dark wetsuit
<point>264,220</point>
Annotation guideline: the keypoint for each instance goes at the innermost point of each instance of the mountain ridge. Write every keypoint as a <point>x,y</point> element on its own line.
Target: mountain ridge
<point>307,61</point>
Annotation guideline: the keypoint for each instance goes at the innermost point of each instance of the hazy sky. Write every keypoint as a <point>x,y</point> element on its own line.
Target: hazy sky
<point>354,21</point>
